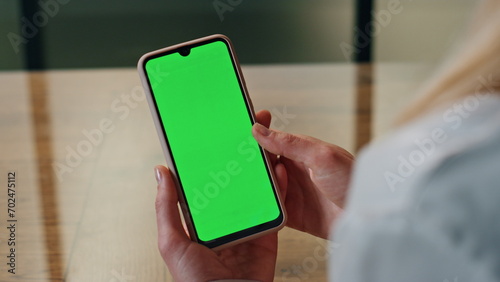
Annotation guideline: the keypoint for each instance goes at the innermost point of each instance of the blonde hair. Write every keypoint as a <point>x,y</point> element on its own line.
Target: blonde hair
<point>473,68</point>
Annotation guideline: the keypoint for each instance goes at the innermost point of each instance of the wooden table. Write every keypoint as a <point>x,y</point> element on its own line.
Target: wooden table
<point>83,146</point>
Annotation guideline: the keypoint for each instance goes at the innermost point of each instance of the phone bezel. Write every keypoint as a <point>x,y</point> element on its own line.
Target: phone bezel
<point>239,236</point>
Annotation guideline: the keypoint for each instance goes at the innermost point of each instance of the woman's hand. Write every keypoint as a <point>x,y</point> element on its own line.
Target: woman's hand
<point>313,177</point>
<point>190,261</point>
<point>317,178</point>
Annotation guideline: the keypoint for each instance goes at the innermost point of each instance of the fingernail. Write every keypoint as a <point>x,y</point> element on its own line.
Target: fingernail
<point>262,130</point>
<point>158,175</point>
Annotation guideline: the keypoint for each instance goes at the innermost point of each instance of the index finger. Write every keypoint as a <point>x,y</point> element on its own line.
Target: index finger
<point>305,149</point>
<point>263,117</point>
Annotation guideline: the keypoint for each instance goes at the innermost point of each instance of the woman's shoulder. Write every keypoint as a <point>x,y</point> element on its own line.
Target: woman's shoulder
<point>428,195</point>
<point>460,199</point>
<point>390,172</point>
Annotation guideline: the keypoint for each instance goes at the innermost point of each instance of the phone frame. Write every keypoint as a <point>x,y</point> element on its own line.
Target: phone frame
<point>231,239</point>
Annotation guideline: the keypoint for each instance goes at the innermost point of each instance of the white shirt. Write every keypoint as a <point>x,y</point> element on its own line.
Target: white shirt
<point>424,204</point>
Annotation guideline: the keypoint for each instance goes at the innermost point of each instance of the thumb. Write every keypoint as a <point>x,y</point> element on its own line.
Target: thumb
<point>171,235</point>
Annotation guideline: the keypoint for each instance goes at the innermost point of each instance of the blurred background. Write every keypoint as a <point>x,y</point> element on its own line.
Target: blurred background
<point>64,34</point>
<point>408,38</point>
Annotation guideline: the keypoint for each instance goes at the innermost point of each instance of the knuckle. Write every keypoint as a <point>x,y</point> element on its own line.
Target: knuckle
<point>289,138</point>
<point>163,246</point>
<point>325,153</point>
<point>289,142</point>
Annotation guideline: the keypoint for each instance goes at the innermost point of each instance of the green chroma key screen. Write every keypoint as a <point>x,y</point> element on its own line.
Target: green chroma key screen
<point>208,128</point>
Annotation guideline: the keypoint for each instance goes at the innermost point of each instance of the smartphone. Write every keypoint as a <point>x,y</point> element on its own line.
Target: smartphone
<point>203,115</point>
